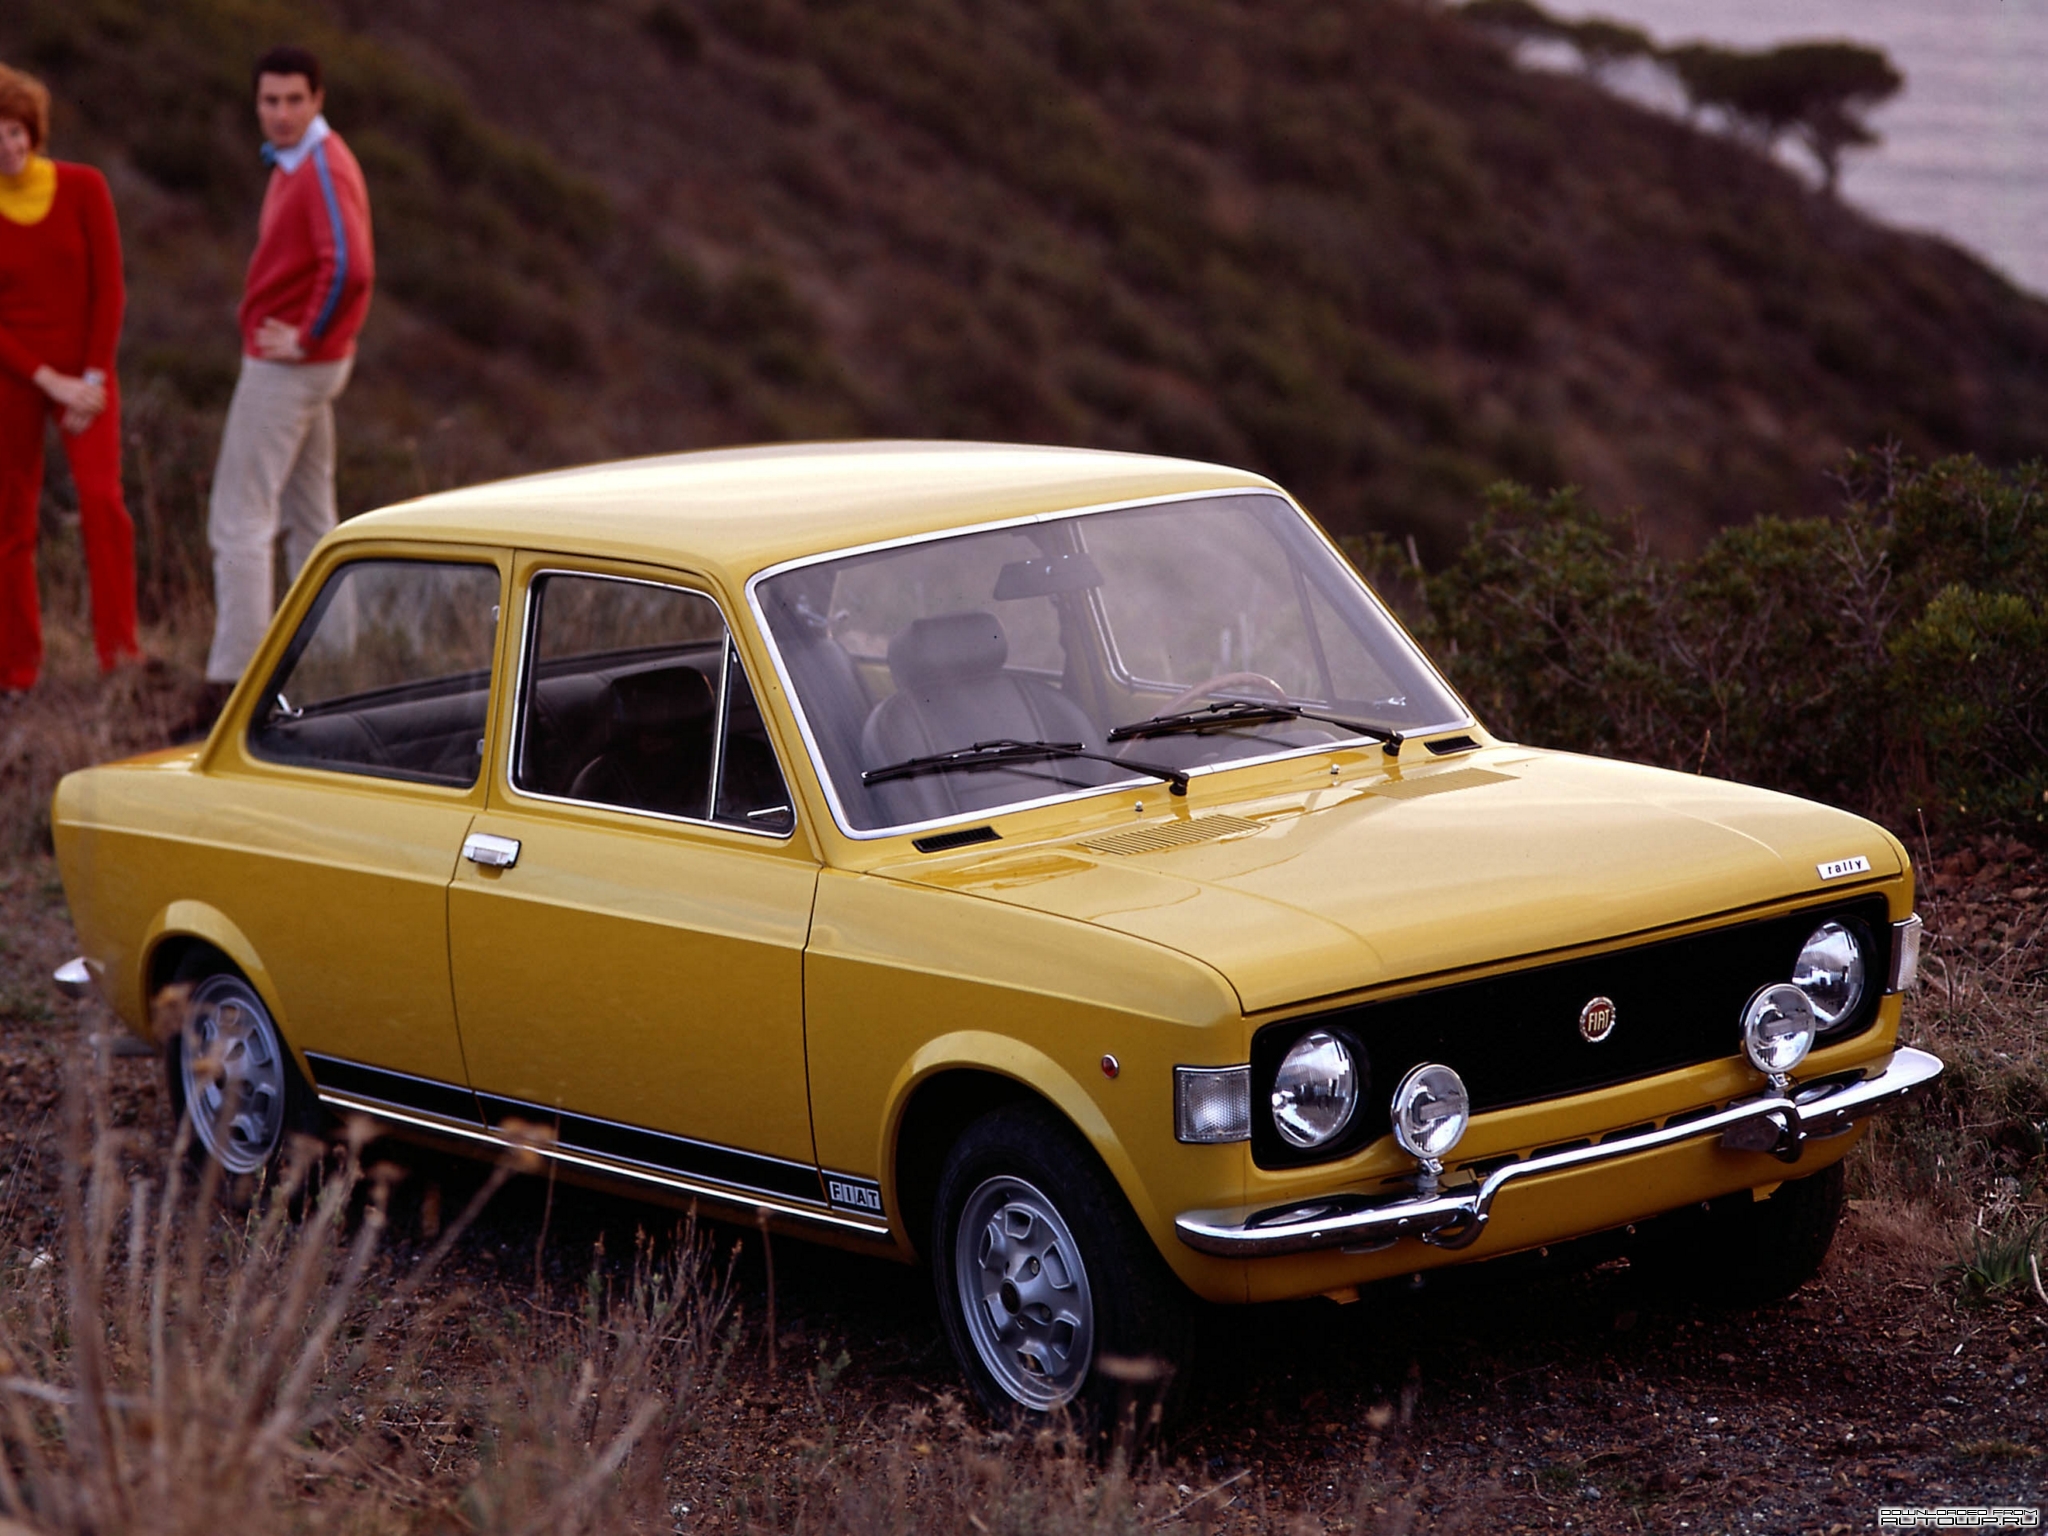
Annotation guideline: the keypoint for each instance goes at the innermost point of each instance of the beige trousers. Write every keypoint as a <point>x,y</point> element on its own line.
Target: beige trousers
<point>275,476</point>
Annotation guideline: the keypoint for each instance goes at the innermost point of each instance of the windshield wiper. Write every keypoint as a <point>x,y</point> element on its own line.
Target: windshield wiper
<point>994,754</point>
<point>1216,717</point>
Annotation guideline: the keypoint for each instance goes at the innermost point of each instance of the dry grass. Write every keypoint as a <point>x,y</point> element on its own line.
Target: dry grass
<point>74,716</point>
<point>180,1368</point>
<point>1967,1177</point>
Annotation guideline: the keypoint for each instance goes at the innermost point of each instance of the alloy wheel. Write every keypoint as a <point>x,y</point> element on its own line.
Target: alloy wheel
<point>1024,1292</point>
<point>232,1068</point>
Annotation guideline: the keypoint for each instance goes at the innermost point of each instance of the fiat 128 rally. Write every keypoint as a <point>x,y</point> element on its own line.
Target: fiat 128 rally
<point>1056,867</point>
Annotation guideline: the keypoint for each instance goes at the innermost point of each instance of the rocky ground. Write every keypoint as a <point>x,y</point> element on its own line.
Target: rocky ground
<point>1508,1397</point>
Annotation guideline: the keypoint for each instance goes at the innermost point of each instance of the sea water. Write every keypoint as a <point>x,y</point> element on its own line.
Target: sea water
<point>1965,143</point>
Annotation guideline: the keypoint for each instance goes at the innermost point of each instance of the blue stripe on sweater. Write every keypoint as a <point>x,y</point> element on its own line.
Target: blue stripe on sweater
<point>333,300</point>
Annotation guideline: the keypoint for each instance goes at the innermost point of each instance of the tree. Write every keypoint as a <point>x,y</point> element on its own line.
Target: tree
<point>1602,44</point>
<point>1520,20</point>
<point>1818,91</point>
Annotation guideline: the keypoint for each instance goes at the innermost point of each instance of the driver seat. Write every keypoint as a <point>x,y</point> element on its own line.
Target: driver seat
<point>951,692</point>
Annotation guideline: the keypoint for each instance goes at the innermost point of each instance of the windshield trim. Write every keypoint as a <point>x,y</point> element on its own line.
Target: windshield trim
<point>840,817</point>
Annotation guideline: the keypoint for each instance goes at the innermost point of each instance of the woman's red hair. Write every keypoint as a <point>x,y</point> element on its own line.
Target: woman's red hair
<point>27,100</point>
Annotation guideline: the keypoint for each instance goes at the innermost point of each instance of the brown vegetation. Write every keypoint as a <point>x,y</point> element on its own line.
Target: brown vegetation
<point>1349,244</point>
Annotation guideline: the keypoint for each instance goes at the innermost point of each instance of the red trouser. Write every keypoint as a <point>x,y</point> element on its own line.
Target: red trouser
<point>95,457</point>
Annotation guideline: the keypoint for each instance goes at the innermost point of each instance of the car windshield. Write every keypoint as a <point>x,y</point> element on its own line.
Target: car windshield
<point>1083,631</point>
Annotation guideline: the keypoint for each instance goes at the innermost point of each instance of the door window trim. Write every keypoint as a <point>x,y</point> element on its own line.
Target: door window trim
<point>523,679</point>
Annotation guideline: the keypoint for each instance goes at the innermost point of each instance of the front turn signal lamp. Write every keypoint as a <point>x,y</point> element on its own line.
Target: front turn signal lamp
<point>1905,955</point>
<point>1212,1104</point>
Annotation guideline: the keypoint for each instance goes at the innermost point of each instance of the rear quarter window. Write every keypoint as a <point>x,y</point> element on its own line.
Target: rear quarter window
<point>388,674</point>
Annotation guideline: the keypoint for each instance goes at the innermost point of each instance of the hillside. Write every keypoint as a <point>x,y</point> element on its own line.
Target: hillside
<point>1345,241</point>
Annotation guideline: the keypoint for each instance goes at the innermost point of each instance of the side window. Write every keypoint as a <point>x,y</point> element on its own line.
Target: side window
<point>750,788</point>
<point>389,674</point>
<point>634,697</point>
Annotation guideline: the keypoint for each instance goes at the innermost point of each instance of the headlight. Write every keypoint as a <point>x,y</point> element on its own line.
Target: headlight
<point>1777,1028</point>
<point>1431,1111</point>
<point>1315,1090</point>
<point>1830,971</point>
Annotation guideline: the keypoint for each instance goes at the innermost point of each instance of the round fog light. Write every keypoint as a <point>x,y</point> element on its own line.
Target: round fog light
<point>1431,1110</point>
<point>1777,1028</point>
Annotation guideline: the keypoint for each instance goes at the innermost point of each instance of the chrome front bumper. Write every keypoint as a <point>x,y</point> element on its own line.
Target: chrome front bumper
<point>1780,1124</point>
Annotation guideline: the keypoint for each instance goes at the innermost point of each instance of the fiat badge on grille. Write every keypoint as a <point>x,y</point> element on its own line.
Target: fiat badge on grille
<point>1596,1019</point>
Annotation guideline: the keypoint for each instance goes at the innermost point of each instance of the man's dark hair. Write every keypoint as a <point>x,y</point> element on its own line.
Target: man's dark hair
<point>287,60</point>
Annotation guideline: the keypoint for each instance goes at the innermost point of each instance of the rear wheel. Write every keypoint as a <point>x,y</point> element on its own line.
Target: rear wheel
<point>231,1072</point>
<point>1052,1294</point>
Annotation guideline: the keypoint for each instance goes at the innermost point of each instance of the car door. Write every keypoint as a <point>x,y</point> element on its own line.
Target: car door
<point>627,931</point>
<point>336,815</point>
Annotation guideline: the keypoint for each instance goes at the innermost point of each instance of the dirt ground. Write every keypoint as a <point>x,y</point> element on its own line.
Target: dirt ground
<point>1506,1397</point>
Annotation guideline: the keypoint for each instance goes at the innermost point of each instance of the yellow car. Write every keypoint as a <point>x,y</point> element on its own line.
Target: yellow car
<point>1053,866</point>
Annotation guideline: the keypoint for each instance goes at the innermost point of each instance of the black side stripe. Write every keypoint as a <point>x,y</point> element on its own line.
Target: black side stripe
<point>658,1149</point>
<point>584,1133</point>
<point>401,1090</point>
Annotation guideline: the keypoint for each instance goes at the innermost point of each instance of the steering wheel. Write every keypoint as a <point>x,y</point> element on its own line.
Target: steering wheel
<point>1225,680</point>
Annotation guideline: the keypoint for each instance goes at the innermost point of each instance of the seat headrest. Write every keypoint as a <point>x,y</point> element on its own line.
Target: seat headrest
<point>949,648</point>
<point>661,701</point>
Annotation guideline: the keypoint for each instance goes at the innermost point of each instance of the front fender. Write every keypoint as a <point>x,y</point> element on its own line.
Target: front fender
<point>983,1051</point>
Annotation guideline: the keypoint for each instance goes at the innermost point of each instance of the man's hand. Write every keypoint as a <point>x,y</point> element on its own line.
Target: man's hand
<point>278,342</point>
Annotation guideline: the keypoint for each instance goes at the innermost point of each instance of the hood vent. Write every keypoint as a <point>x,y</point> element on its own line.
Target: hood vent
<point>939,842</point>
<point>1179,834</point>
<point>1438,783</point>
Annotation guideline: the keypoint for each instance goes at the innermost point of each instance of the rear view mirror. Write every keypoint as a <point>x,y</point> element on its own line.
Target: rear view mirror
<point>1048,576</point>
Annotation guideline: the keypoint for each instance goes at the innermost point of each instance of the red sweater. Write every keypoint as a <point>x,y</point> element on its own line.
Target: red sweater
<point>313,265</point>
<point>60,281</point>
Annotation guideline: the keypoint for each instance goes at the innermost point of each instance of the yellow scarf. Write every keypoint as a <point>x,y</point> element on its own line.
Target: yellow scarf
<point>26,198</point>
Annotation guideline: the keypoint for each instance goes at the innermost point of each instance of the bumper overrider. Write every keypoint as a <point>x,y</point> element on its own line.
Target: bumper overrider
<point>1780,1123</point>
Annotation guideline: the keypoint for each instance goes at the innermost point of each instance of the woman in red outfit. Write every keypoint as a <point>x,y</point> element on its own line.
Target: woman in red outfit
<point>60,316</point>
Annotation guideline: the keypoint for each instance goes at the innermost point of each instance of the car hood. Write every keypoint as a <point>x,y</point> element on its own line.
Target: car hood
<point>1426,869</point>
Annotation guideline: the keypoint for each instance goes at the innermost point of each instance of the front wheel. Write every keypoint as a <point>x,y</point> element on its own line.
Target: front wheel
<point>1052,1294</point>
<point>1743,1252</point>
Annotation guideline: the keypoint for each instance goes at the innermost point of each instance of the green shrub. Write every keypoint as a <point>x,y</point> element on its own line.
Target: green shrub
<point>1893,658</point>
<point>1973,676</point>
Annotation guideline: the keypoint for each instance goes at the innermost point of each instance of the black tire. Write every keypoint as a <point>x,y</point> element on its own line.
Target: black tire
<point>228,1066</point>
<point>1743,1252</point>
<point>1054,1298</point>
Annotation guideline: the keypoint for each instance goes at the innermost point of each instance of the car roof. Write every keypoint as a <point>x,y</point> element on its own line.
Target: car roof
<point>733,511</point>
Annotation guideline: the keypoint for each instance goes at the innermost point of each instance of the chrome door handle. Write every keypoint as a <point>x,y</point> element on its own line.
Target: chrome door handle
<point>490,850</point>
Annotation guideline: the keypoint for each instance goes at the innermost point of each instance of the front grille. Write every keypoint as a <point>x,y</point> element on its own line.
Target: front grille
<point>1515,1038</point>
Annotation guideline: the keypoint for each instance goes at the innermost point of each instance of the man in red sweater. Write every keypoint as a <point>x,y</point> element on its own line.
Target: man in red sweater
<point>307,292</point>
